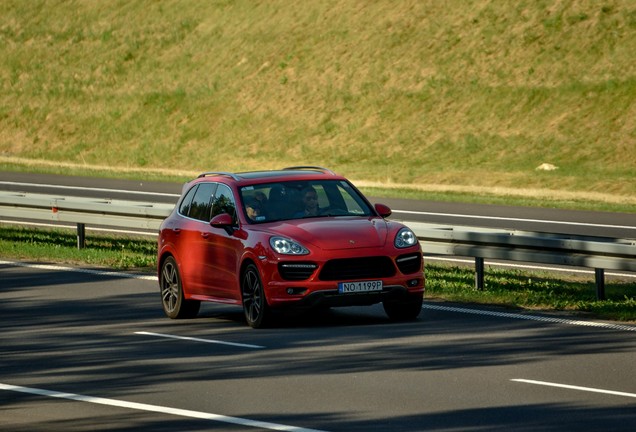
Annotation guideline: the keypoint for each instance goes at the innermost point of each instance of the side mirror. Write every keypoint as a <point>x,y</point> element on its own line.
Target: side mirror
<point>224,221</point>
<point>383,210</point>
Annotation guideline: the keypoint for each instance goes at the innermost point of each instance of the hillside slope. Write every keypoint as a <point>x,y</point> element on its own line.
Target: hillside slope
<point>417,92</point>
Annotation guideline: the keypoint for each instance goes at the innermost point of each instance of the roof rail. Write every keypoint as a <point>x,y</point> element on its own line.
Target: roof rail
<point>221,173</point>
<point>309,167</point>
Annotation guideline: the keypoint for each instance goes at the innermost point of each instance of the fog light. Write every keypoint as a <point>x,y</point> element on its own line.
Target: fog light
<point>413,282</point>
<point>296,291</point>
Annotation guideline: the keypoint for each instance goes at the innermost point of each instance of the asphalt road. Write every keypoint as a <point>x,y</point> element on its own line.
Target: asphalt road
<point>88,351</point>
<point>605,224</point>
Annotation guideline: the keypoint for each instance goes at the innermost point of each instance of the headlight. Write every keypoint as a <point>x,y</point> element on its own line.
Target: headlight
<point>405,238</point>
<point>286,246</point>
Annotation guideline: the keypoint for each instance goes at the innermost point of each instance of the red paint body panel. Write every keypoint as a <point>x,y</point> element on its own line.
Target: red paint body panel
<point>348,235</point>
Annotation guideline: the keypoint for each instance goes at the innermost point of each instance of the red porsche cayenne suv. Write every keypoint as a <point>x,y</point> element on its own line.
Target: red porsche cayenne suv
<point>299,236</point>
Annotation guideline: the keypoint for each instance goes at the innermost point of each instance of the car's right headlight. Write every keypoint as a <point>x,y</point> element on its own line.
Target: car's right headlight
<point>287,246</point>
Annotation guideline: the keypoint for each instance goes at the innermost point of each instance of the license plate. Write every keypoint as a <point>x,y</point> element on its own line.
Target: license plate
<point>356,287</point>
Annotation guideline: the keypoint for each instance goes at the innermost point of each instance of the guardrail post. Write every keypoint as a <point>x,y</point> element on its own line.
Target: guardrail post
<point>599,275</point>
<point>81,235</point>
<point>479,273</point>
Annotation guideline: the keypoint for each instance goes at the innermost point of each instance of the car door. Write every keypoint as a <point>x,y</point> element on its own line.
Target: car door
<point>192,232</point>
<point>222,250</point>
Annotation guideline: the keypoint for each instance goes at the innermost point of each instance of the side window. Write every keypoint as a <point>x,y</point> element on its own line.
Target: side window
<point>186,202</point>
<point>224,202</point>
<point>202,202</point>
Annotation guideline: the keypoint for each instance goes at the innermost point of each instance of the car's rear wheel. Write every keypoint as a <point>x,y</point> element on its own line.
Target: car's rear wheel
<point>255,307</point>
<point>174,303</point>
<point>405,309</point>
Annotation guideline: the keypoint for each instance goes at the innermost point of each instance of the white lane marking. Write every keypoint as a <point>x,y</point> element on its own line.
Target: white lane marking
<point>455,215</point>
<point>526,266</point>
<point>572,387</point>
<point>95,272</point>
<point>212,341</point>
<point>530,317</point>
<point>426,306</point>
<point>8,183</point>
<point>156,408</point>
<point>500,218</point>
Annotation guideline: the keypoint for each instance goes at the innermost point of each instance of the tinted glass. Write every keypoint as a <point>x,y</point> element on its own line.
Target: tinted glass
<point>224,202</point>
<point>186,202</point>
<point>303,199</point>
<point>202,202</point>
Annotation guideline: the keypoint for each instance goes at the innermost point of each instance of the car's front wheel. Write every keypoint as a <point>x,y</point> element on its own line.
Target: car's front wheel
<point>174,303</point>
<point>405,309</point>
<point>255,307</point>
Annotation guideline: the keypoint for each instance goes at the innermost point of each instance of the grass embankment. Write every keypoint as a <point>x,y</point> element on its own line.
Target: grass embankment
<point>515,289</point>
<point>469,96</point>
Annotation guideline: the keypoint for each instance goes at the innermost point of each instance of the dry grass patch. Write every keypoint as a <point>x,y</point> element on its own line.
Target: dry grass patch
<point>417,92</point>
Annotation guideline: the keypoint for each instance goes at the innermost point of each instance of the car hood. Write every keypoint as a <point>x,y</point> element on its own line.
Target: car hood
<point>335,233</point>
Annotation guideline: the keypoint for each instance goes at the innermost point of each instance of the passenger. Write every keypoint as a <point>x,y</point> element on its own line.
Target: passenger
<point>278,205</point>
<point>254,210</point>
<point>261,198</point>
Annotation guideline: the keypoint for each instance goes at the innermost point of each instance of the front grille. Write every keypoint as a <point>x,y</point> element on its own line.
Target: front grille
<point>296,271</point>
<point>409,263</point>
<point>357,268</point>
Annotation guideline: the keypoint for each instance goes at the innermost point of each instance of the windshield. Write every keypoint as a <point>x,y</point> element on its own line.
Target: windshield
<point>302,199</point>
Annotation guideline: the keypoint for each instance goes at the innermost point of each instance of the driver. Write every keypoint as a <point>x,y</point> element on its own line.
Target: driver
<point>310,203</point>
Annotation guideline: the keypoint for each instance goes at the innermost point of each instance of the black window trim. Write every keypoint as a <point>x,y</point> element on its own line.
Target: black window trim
<point>214,196</point>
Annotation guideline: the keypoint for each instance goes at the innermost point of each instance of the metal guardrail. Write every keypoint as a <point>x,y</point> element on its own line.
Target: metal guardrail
<point>599,253</point>
<point>84,211</point>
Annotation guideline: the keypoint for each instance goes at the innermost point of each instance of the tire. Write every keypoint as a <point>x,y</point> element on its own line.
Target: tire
<point>405,309</point>
<point>175,305</point>
<point>255,307</point>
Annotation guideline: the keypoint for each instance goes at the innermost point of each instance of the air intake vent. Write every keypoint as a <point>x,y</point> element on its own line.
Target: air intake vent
<point>409,263</point>
<point>357,268</point>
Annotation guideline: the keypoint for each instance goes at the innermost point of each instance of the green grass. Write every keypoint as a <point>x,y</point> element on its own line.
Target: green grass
<point>509,288</point>
<point>538,290</point>
<point>121,253</point>
<point>416,93</point>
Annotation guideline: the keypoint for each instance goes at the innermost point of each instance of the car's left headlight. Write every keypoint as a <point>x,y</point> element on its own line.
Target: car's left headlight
<point>405,238</point>
<point>286,246</point>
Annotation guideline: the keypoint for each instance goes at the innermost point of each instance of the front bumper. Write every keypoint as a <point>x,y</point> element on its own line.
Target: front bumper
<point>314,282</point>
<point>322,294</point>
<point>333,298</point>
